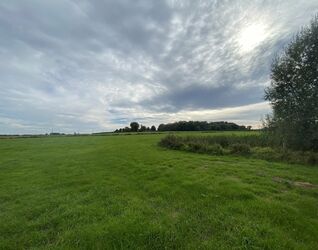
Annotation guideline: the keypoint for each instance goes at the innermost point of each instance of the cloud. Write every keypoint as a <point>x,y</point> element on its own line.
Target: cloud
<point>88,66</point>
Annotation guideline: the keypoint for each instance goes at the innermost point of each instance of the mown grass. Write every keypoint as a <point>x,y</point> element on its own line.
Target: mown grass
<point>125,192</point>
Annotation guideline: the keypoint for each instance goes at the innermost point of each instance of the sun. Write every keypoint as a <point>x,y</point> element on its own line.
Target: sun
<point>251,36</point>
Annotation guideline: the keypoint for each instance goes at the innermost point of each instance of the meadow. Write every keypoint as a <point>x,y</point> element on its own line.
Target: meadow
<point>126,192</point>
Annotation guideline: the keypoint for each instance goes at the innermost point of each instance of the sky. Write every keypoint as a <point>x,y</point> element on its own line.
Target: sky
<point>91,65</point>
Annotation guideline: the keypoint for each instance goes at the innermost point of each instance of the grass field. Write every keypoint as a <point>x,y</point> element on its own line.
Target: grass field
<point>125,192</point>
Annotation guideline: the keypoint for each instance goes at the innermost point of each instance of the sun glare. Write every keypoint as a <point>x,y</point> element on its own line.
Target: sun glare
<point>251,36</point>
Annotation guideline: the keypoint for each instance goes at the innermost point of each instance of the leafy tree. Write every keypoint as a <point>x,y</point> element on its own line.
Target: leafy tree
<point>293,92</point>
<point>126,129</point>
<point>142,128</point>
<point>134,126</point>
<point>153,128</point>
<point>161,127</point>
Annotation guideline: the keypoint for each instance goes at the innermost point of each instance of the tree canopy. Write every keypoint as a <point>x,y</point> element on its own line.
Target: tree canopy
<point>199,126</point>
<point>293,92</point>
<point>134,126</point>
<point>185,126</point>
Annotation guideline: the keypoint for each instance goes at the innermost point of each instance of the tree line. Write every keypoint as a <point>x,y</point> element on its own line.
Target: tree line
<point>201,126</point>
<point>136,127</point>
<point>185,126</point>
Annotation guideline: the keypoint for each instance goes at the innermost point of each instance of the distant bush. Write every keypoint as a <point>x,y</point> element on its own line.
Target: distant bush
<point>240,148</point>
<point>312,158</point>
<point>256,146</point>
<point>266,153</point>
<point>215,149</point>
<point>172,142</point>
<point>197,147</point>
<point>253,140</point>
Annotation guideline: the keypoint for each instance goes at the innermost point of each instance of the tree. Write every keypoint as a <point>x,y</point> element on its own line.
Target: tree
<point>134,126</point>
<point>153,128</point>
<point>161,127</point>
<point>126,129</point>
<point>142,128</point>
<point>293,92</point>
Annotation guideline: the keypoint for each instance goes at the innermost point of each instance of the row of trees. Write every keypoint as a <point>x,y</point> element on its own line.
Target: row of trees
<point>201,126</point>
<point>135,127</point>
<point>293,92</point>
<point>185,126</point>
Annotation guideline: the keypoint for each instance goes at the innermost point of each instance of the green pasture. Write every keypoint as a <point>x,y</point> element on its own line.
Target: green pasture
<point>126,192</point>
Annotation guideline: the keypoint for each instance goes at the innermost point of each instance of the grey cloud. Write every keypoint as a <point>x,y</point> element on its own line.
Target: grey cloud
<point>93,65</point>
<point>202,97</point>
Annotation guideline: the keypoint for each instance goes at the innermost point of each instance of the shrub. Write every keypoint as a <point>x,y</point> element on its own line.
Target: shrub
<point>172,142</point>
<point>240,148</point>
<point>264,152</point>
<point>312,158</point>
<point>203,147</point>
<point>216,149</point>
<point>255,145</point>
<point>196,147</point>
<point>267,153</point>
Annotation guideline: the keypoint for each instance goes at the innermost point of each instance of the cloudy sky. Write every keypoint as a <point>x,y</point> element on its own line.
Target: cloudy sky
<point>92,65</point>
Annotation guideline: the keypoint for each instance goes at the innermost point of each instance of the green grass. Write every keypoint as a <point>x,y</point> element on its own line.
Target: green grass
<point>125,192</point>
